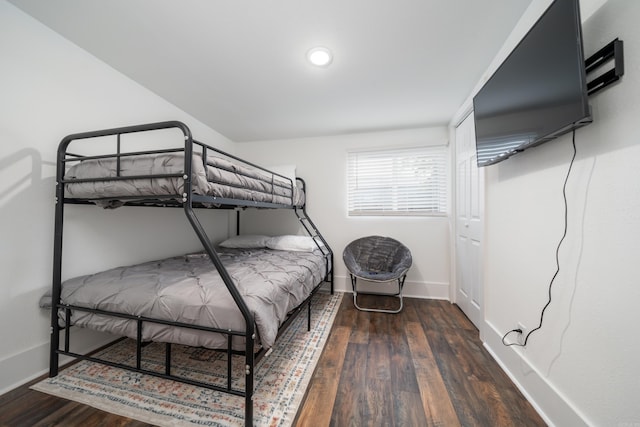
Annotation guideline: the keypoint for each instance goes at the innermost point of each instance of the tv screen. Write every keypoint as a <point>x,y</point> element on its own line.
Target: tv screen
<point>539,92</point>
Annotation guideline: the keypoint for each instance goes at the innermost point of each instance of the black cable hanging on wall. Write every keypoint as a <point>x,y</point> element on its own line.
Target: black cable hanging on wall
<point>564,234</point>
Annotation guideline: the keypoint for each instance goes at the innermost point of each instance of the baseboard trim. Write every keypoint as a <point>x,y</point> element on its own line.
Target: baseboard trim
<point>424,290</point>
<point>552,406</point>
<point>25,366</point>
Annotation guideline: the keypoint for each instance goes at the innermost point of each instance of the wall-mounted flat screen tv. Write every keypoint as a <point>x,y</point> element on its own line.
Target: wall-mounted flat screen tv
<point>539,92</point>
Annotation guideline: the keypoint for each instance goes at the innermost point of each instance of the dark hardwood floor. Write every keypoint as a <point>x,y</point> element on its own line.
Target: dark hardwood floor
<point>423,367</point>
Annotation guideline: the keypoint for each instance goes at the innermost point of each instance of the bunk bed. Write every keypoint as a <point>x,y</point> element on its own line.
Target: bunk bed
<point>235,308</point>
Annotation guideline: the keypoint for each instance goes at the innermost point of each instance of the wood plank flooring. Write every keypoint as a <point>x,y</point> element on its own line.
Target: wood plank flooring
<point>422,367</point>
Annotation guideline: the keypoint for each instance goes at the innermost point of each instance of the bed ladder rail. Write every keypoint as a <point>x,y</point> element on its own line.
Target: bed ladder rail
<point>311,229</point>
<point>322,244</point>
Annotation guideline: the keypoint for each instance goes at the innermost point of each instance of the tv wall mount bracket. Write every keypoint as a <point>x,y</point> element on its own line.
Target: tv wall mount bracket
<point>612,51</point>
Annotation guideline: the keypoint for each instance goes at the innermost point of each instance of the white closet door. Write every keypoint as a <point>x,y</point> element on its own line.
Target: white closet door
<point>469,224</point>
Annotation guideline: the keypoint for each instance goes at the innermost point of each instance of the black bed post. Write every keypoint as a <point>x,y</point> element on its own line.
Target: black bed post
<point>250,337</point>
<point>57,259</point>
<point>224,274</point>
<point>55,292</point>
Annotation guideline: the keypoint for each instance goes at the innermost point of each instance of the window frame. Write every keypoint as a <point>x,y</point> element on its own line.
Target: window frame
<point>402,201</point>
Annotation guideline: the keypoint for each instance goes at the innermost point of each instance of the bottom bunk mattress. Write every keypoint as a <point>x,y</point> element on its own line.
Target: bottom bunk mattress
<point>188,289</point>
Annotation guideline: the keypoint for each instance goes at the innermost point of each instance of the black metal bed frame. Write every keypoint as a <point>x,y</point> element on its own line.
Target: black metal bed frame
<point>188,201</point>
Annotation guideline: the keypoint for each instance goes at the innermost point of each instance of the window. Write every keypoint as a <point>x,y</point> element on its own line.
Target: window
<point>410,181</point>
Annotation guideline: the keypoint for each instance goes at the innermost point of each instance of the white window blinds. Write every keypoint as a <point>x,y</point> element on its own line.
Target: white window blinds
<point>409,181</point>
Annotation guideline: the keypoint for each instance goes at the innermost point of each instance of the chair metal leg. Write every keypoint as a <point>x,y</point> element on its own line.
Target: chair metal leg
<point>378,310</point>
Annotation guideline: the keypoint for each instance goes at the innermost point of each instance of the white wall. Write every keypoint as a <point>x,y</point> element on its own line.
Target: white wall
<point>582,367</point>
<point>51,88</point>
<point>322,163</point>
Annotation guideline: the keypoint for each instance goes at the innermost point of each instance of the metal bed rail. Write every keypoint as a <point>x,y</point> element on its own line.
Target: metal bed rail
<point>140,343</point>
<point>191,147</point>
<point>140,320</point>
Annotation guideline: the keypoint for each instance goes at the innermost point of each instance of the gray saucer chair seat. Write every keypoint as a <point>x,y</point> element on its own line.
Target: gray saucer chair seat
<point>377,259</point>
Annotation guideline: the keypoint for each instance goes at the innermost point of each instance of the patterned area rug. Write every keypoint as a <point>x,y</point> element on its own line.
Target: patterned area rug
<point>281,379</point>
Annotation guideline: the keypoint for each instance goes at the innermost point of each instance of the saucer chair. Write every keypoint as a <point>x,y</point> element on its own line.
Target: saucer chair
<point>377,259</point>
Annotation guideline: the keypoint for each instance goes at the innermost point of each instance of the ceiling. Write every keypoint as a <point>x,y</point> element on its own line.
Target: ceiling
<point>239,65</point>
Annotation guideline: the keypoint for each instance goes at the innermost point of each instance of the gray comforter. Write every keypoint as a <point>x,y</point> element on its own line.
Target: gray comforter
<point>189,289</point>
<point>220,178</point>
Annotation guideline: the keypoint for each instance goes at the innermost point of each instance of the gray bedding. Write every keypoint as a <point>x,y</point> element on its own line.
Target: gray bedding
<point>189,289</point>
<point>221,178</point>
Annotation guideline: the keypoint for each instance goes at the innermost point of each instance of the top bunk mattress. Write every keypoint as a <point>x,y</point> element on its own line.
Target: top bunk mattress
<point>218,178</point>
<point>189,289</point>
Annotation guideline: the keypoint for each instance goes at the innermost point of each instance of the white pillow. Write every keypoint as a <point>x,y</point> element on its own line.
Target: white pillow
<point>288,171</point>
<point>246,241</point>
<point>293,243</point>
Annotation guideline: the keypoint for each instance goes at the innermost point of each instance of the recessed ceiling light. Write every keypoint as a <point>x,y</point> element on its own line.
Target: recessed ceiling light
<point>320,56</point>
